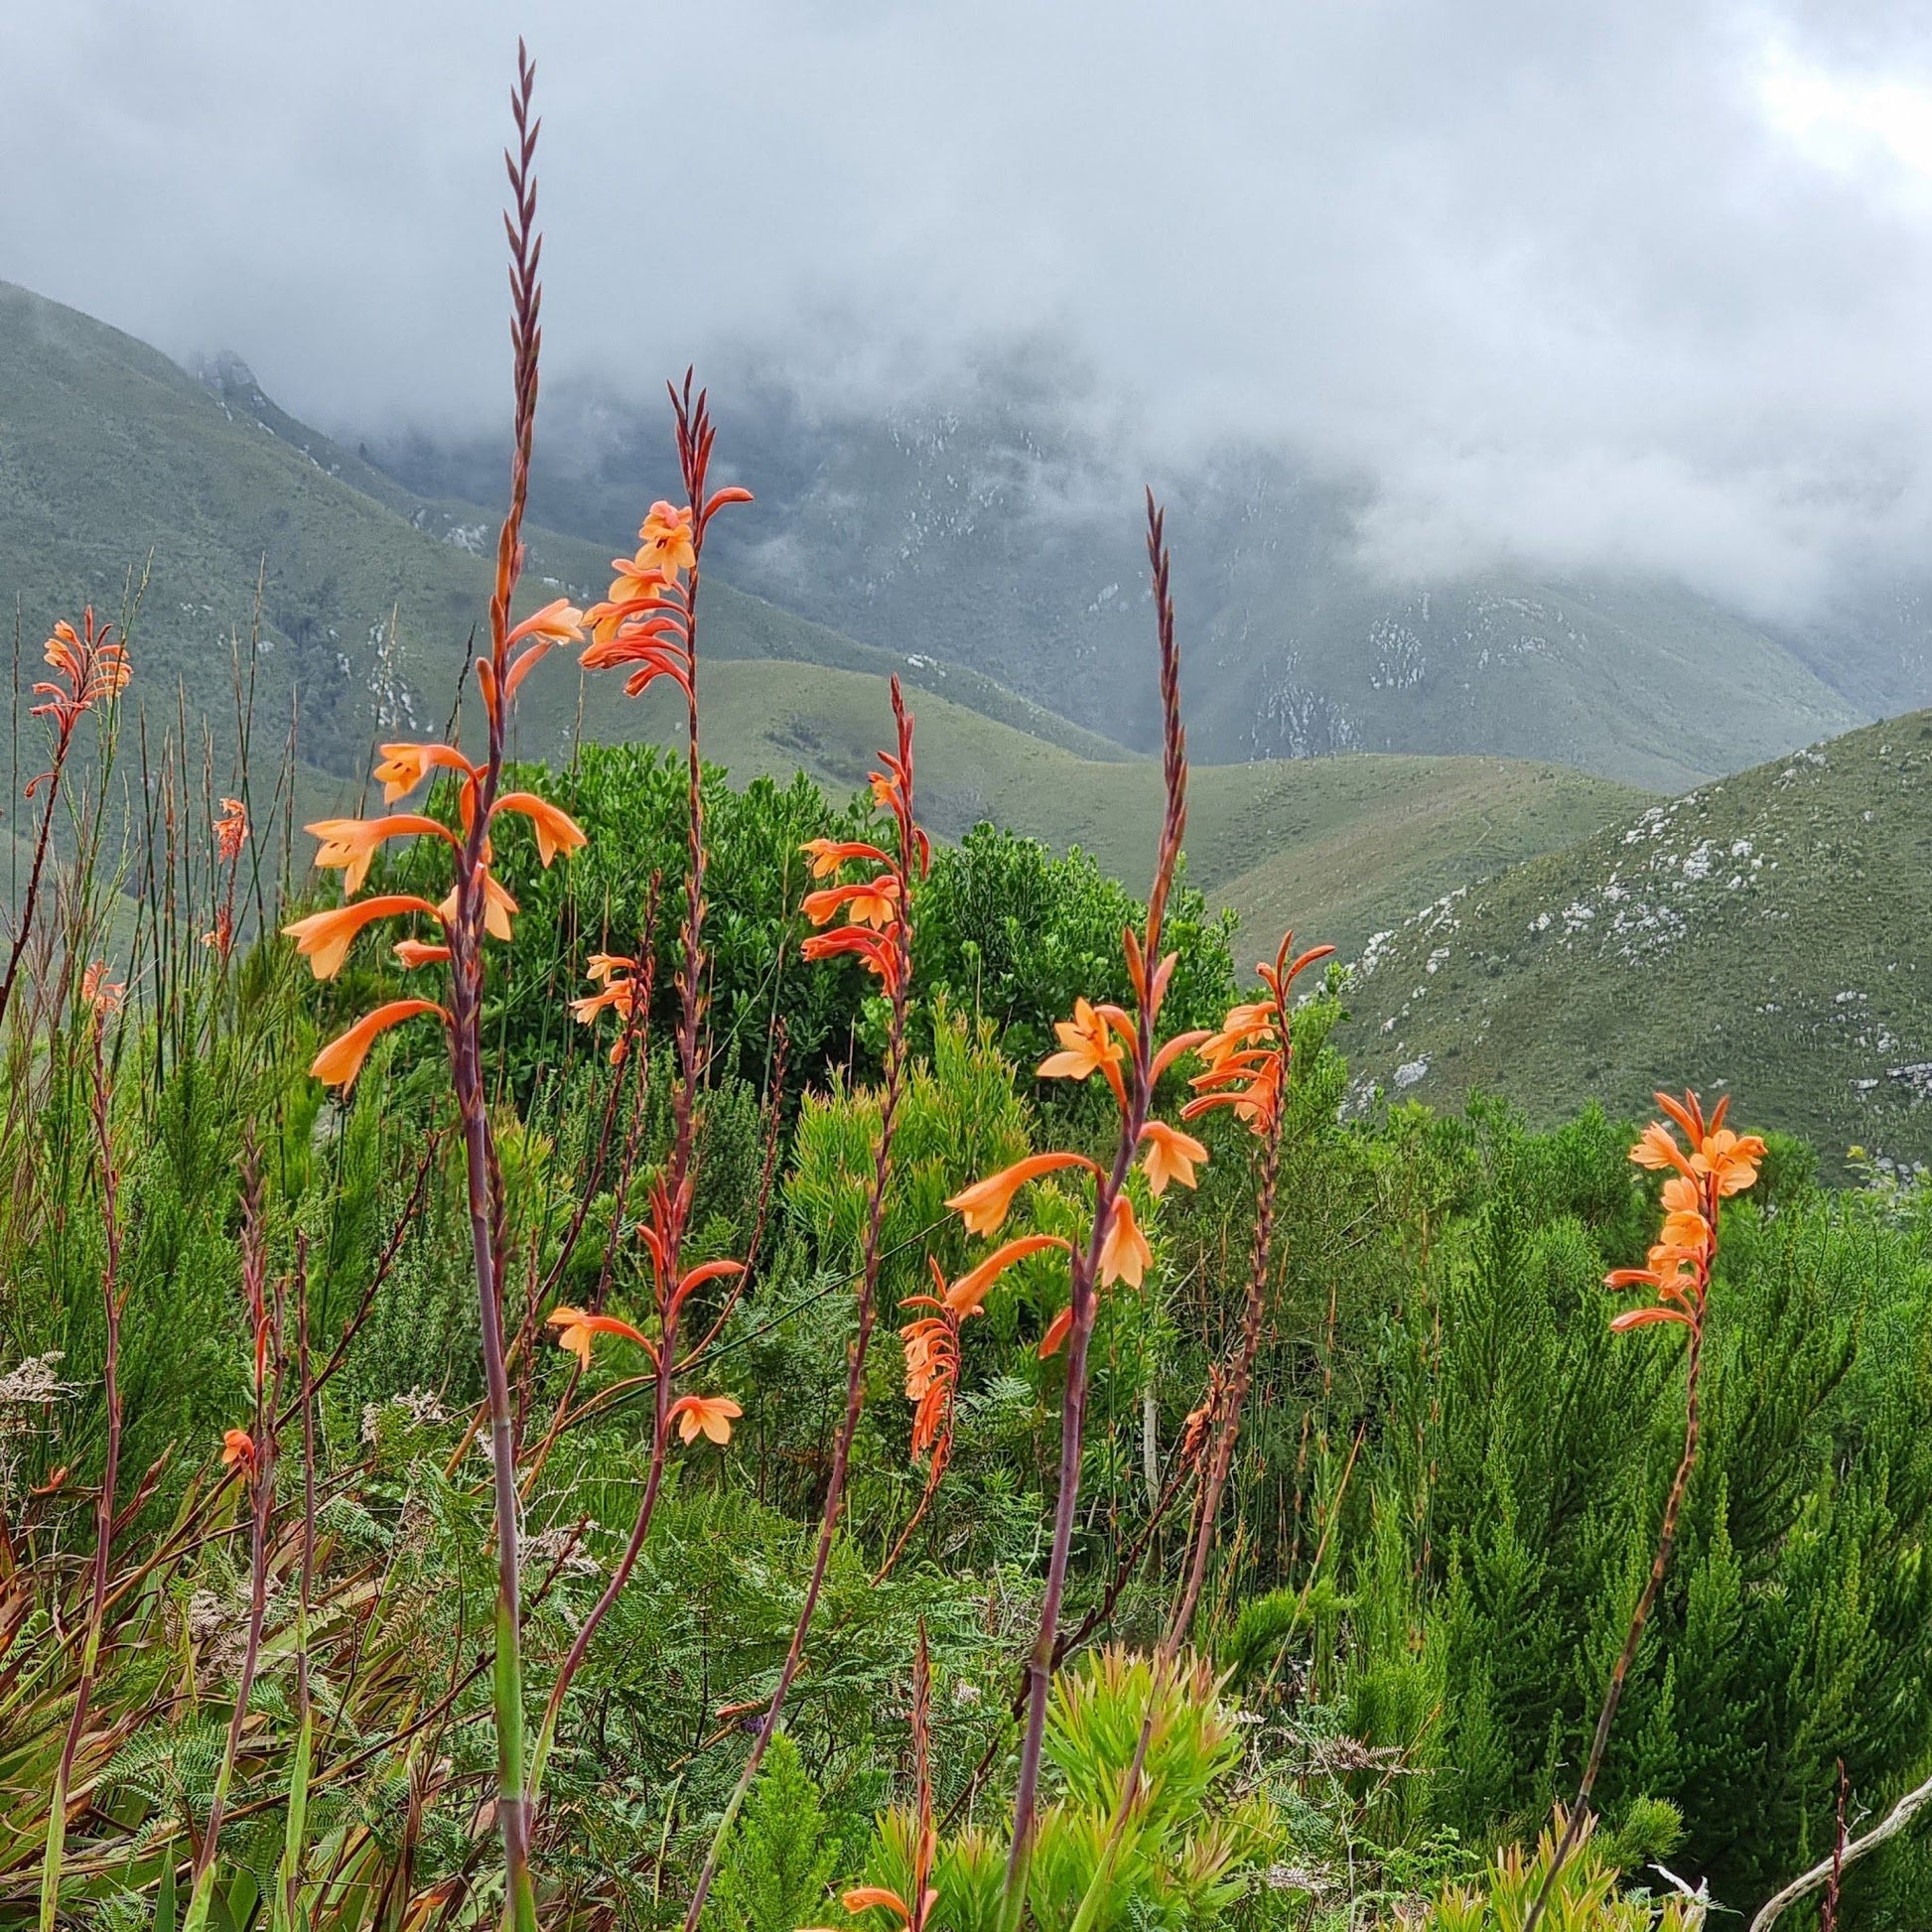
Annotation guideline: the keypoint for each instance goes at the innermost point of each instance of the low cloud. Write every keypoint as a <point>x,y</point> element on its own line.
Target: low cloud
<point>1633,288</point>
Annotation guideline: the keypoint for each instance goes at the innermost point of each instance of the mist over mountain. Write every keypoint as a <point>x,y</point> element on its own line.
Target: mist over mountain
<point>999,528</point>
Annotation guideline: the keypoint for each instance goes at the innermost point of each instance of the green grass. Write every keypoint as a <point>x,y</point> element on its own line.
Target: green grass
<point>1762,936</point>
<point>1335,847</point>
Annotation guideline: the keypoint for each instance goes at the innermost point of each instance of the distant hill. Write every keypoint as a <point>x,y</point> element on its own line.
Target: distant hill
<point>1768,936</point>
<point>110,453</point>
<point>1335,847</point>
<point>1002,534</point>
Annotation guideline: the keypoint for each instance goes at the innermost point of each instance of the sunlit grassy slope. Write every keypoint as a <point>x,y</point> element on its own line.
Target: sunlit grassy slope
<point>1766,936</point>
<point>1339,847</point>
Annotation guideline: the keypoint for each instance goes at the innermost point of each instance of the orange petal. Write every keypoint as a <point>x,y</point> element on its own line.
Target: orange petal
<point>339,1062</point>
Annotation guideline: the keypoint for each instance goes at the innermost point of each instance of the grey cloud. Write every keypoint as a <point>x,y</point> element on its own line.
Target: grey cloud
<point>1557,280</point>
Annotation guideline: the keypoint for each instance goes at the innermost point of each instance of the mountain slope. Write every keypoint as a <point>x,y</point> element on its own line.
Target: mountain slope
<point>108,452</point>
<point>1762,936</point>
<point>111,456</point>
<point>1335,847</point>
<point>1002,534</point>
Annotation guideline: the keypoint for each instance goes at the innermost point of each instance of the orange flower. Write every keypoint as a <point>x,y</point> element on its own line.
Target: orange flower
<point>556,830</point>
<point>984,1205</point>
<point>323,938</point>
<point>828,855</point>
<point>1657,1148</point>
<point>666,540</point>
<point>863,1898</point>
<point>237,1445</point>
<point>1730,1159</point>
<point>1171,1155</point>
<point>96,993</point>
<point>402,768</point>
<point>1719,1164</point>
<point>603,965</point>
<point>713,1415</point>
<point>656,648</point>
<point>1123,1254</point>
<point>617,994</point>
<point>694,1278</point>
<point>231,830</point>
<point>1087,1047</point>
<point>414,952</point>
<point>497,908</point>
<point>966,1293</point>
<point>1247,1060</point>
<point>575,1329</point>
<point>875,902</point>
<point>350,843</point>
<point>94,667</point>
<point>338,1065</point>
<point>873,950</point>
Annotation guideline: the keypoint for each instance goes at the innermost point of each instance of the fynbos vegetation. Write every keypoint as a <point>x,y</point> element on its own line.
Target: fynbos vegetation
<point>753,1369</point>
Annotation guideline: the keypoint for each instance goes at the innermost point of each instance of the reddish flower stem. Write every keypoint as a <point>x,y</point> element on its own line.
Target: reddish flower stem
<point>672,1193</point>
<point>1085,1262</point>
<point>112,1302</point>
<point>465,938</point>
<point>904,864</point>
<point>1578,1812</point>
<point>261,1466</point>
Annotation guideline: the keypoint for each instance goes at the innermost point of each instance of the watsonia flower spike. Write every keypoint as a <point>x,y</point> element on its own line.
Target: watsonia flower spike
<point>886,951</point>
<point>1715,1165</point>
<point>1114,1244</point>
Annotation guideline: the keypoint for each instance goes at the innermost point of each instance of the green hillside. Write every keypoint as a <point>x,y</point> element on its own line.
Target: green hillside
<point>111,456</point>
<point>1337,847</point>
<point>1762,936</point>
<point>992,529</point>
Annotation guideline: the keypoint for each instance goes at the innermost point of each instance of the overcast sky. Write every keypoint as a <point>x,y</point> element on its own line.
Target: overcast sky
<point>1645,284</point>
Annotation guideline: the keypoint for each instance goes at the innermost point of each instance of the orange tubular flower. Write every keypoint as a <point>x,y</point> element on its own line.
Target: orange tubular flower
<point>96,994</point>
<point>865,1898</point>
<point>1719,1163</point>
<point>1087,1047</point>
<point>984,1205</point>
<point>828,855</point>
<point>1123,1254</point>
<point>874,950</point>
<point>237,1445</point>
<point>323,938</point>
<point>402,768</point>
<point>1171,1155</point>
<point>575,1330</point>
<point>499,907</point>
<point>966,1293</point>
<point>231,830</point>
<point>92,667</point>
<point>558,622</point>
<point>338,1065</point>
<point>710,1271</point>
<point>932,1365</point>
<point>873,904</point>
<point>1248,1059</point>
<point>617,994</point>
<point>666,534</point>
<point>350,843</point>
<point>414,952</point>
<point>709,1415</point>
<point>556,830</point>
